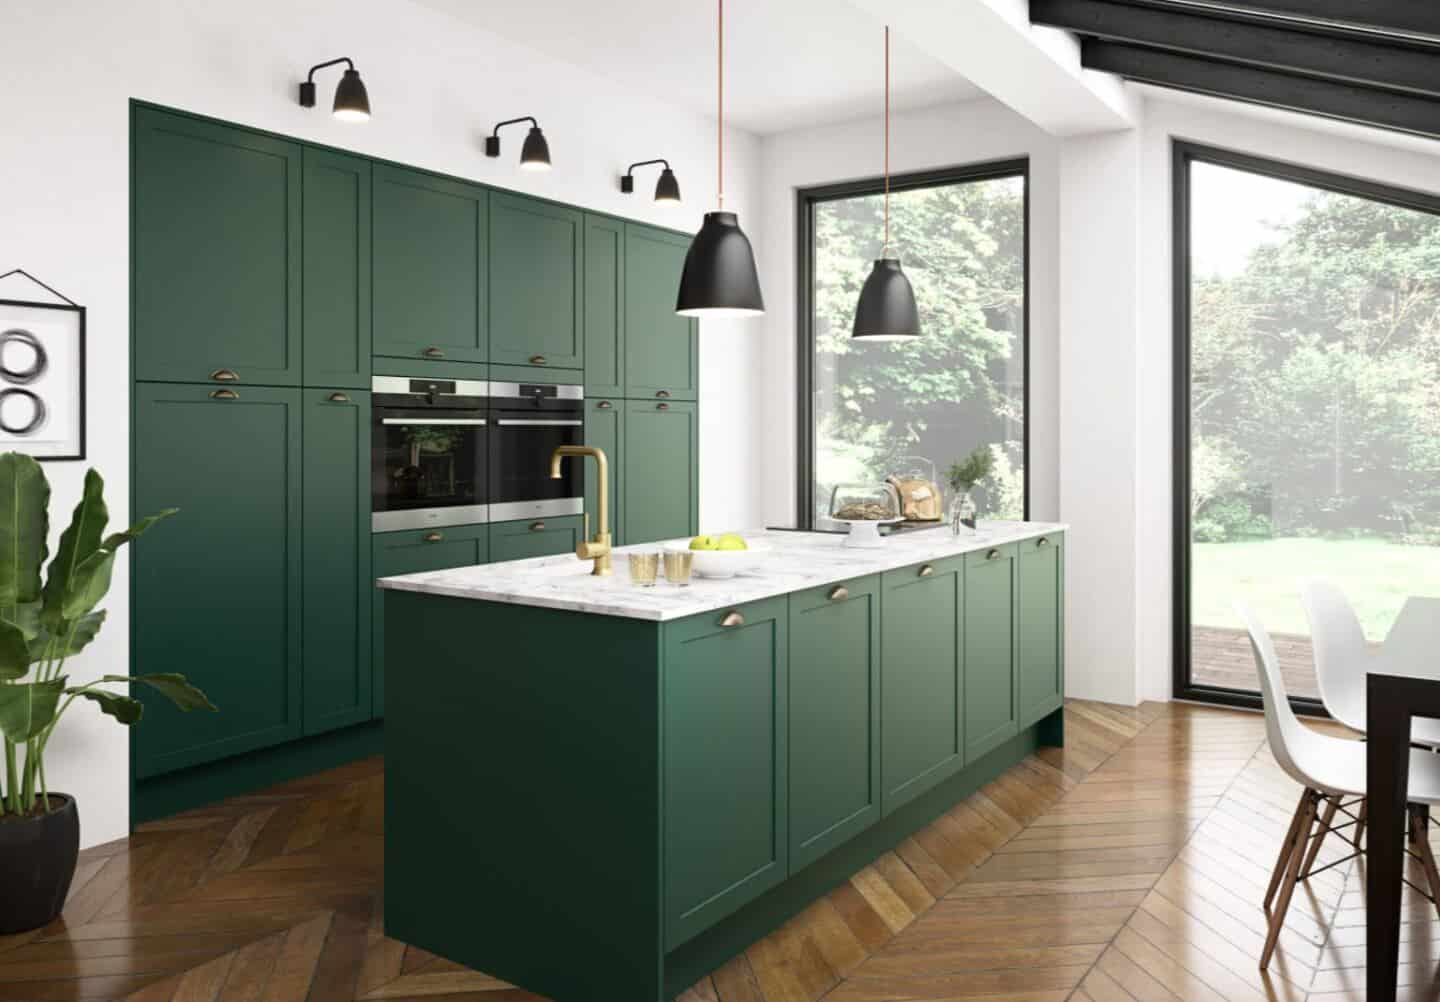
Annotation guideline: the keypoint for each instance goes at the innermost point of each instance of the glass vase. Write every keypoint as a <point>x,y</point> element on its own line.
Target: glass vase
<point>962,514</point>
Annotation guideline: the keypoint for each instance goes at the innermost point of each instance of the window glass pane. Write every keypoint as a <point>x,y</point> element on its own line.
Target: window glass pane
<point>1315,413</point>
<point>885,408</point>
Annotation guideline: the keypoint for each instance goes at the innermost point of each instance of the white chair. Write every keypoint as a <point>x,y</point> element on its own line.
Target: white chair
<point>1332,771</point>
<point>1343,656</point>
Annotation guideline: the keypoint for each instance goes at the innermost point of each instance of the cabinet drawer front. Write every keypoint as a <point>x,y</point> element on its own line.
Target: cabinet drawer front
<point>992,555</point>
<point>834,716</point>
<point>921,669</point>
<point>534,537</point>
<point>661,349</point>
<point>725,691</point>
<point>990,628</point>
<point>337,270</point>
<point>1041,660</point>
<point>536,284</point>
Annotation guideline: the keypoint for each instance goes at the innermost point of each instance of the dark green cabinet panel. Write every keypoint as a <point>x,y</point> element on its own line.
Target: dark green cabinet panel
<point>534,538</point>
<point>991,690</point>
<point>428,266</point>
<point>921,655</point>
<point>660,475</point>
<point>336,549</point>
<point>662,350</point>
<point>215,251</point>
<point>536,282</point>
<point>410,552</point>
<point>724,724</point>
<point>1041,632</point>
<point>604,311</point>
<point>604,429</point>
<point>337,270</point>
<point>217,588</point>
<point>834,716</point>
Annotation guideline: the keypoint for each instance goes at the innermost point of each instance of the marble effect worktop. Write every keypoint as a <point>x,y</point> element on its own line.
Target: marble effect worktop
<point>795,561</point>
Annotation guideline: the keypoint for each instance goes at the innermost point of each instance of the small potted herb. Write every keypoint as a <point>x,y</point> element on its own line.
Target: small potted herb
<point>43,623</point>
<point>963,476</point>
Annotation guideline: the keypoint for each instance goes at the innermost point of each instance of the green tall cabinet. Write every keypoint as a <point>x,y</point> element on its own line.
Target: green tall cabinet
<point>604,307</point>
<point>605,429</point>
<point>662,349</point>
<point>991,627</point>
<point>536,282</point>
<point>336,253</point>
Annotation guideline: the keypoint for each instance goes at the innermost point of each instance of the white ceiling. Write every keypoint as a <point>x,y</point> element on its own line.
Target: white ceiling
<point>788,63</point>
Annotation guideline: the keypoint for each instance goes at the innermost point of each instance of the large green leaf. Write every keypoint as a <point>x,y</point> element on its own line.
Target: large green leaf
<point>14,653</point>
<point>118,539</point>
<point>24,527</point>
<point>174,686</point>
<point>122,708</point>
<point>65,643</point>
<point>77,543</point>
<point>88,584</point>
<point>26,708</point>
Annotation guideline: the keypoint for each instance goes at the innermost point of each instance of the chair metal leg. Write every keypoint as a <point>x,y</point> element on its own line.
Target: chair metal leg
<point>1420,838</point>
<point>1291,877</point>
<point>1360,822</point>
<point>1332,804</point>
<point>1287,847</point>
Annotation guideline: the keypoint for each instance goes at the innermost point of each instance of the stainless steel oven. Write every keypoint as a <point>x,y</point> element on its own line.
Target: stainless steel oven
<point>429,452</point>
<point>527,422</point>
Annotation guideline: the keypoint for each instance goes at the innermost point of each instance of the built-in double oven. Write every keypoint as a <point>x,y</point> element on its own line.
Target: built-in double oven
<point>463,452</point>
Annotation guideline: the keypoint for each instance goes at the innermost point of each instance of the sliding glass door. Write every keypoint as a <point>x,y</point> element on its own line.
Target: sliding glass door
<point>1307,408</point>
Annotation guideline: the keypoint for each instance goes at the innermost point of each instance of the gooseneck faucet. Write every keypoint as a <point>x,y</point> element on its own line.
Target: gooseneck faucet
<point>597,549</point>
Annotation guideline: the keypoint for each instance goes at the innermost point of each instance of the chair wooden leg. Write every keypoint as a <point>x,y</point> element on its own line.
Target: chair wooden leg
<point>1360,822</point>
<point>1291,877</point>
<point>1287,848</point>
<point>1332,804</point>
<point>1420,838</point>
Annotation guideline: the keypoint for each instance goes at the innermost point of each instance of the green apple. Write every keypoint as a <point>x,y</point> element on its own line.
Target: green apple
<point>730,541</point>
<point>704,543</point>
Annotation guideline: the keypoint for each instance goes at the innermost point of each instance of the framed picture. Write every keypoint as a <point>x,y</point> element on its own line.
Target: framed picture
<point>42,379</point>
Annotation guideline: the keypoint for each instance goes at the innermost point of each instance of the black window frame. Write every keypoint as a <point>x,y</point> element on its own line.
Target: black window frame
<point>805,201</point>
<point>1183,153</point>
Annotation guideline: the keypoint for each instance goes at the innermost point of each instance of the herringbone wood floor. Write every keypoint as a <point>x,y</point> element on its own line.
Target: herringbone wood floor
<point>1127,866</point>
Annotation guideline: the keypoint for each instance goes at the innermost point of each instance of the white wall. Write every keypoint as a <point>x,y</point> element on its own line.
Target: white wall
<point>68,70</point>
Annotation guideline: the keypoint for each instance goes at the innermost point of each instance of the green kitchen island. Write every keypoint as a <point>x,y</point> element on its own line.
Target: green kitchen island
<point>601,792</point>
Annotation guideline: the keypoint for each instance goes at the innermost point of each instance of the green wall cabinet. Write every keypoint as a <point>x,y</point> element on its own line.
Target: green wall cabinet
<point>410,552</point>
<point>662,350</point>
<point>605,429</point>
<point>336,550</point>
<point>543,537</point>
<point>336,253</point>
<point>536,282</point>
<point>834,716</point>
<point>429,271</point>
<point>725,687</point>
<point>217,588</point>
<point>990,628</point>
<point>921,651</point>
<point>1041,627</point>
<point>215,252</point>
<point>660,475</point>
<point>604,307</point>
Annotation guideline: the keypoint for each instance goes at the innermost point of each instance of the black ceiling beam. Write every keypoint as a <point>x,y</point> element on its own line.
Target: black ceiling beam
<point>1332,99</point>
<point>1350,58</point>
<point>1409,17</point>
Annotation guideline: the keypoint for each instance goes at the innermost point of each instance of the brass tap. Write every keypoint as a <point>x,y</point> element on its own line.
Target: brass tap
<point>597,549</point>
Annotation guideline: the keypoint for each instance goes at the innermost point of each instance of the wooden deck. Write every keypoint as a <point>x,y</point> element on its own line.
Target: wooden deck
<point>1223,657</point>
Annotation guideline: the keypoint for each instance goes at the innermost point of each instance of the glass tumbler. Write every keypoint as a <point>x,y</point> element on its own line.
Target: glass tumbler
<point>642,569</point>
<point>677,567</point>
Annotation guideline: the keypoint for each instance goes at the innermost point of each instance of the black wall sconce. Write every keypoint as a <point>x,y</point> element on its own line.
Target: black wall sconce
<point>534,154</point>
<point>667,189</point>
<point>352,103</point>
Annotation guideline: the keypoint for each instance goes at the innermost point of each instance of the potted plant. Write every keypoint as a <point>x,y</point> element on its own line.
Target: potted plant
<point>963,477</point>
<point>43,623</point>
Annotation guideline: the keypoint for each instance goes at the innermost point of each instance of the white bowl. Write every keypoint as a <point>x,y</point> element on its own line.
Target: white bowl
<point>724,563</point>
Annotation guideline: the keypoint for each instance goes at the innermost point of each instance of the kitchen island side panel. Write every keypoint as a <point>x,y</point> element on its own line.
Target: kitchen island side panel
<point>523,811</point>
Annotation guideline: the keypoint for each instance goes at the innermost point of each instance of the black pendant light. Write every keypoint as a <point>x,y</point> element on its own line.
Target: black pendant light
<point>534,152</point>
<point>352,103</point>
<point>719,279</point>
<point>887,311</point>
<point>667,189</point>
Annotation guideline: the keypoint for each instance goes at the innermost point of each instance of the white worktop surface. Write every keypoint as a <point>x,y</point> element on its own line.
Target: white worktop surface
<point>795,561</point>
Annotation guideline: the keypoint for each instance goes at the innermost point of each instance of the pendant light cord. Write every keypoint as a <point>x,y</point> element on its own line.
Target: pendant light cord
<point>885,250</point>
<point>720,114</point>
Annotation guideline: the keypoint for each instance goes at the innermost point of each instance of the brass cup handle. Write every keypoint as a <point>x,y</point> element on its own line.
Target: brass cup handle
<point>224,395</point>
<point>434,537</point>
<point>1042,542</point>
<point>662,407</point>
<point>224,376</point>
<point>537,526</point>
<point>927,571</point>
<point>839,593</point>
<point>604,405</point>
<point>339,398</point>
<point>537,359</point>
<point>993,555</point>
<point>433,353</point>
<point>663,394</point>
<point>732,618</point>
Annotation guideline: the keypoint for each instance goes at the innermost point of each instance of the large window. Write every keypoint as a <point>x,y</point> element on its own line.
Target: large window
<point>869,409</point>
<point>1308,408</point>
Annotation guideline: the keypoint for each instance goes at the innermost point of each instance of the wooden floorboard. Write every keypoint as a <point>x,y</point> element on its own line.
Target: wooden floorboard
<point>1126,867</point>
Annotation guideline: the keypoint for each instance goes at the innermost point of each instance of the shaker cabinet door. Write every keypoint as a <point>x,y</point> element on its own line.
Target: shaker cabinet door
<point>604,312</point>
<point>217,587</point>
<point>337,270</point>
<point>215,252</point>
<point>1042,680</point>
<point>662,349</point>
<point>604,429</point>
<point>536,282</point>
<point>660,475</point>
<point>992,714</point>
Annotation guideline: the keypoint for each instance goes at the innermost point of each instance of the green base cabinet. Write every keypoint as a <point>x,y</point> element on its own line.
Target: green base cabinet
<point>535,282</point>
<point>834,716</point>
<point>659,479</point>
<point>990,629</point>
<point>1041,613</point>
<point>605,429</point>
<point>544,537</point>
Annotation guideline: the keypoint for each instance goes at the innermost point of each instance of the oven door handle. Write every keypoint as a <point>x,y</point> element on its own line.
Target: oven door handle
<point>503,422</point>
<point>460,421</point>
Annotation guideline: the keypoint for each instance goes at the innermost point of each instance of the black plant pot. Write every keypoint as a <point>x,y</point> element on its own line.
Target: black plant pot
<point>37,863</point>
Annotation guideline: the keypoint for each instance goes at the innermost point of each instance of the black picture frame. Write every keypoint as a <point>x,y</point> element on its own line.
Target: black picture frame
<point>805,201</point>
<point>80,377</point>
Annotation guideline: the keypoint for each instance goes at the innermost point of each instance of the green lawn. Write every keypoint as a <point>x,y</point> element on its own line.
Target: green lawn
<point>1376,575</point>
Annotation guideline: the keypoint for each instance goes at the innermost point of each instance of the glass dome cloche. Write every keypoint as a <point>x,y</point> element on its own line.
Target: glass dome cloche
<point>865,507</point>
